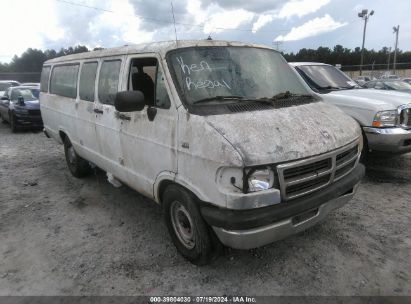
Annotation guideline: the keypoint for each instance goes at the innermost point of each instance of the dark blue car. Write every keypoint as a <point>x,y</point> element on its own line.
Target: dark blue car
<point>21,108</point>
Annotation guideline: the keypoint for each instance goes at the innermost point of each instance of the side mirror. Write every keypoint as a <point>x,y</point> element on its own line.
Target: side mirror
<point>129,101</point>
<point>20,100</point>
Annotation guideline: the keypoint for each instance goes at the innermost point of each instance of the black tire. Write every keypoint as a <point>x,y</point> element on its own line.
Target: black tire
<point>365,150</point>
<point>12,121</point>
<point>78,166</point>
<point>204,245</point>
<point>3,120</point>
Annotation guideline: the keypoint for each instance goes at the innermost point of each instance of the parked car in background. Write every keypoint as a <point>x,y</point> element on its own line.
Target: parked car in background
<point>388,84</point>
<point>362,79</point>
<point>386,76</point>
<point>20,107</point>
<point>5,84</point>
<point>407,80</point>
<point>31,84</point>
<point>224,135</point>
<point>385,116</point>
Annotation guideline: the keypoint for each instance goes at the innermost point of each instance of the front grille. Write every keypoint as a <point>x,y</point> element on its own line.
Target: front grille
<point>405,117</point>
<point>306,176</point>
<point>34,112</point>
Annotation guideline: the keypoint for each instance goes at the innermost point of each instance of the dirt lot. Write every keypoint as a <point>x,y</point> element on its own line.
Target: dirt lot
<point>64,236</point>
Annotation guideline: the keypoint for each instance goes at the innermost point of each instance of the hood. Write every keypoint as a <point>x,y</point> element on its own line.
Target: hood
<point>29,105</point>
<point>273,136</point>
<point>379,99</point>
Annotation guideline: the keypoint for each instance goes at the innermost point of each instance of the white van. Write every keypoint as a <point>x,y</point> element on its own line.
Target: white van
<point>223,135</point>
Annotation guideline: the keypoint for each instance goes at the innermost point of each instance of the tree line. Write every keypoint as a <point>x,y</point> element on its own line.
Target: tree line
<point>32,59</point>
<point>350,59</point>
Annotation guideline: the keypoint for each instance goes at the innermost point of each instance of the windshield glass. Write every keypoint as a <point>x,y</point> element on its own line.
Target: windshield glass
<point>25,93</point>
<point>4,86</point>
<point>326,76</point>
<point>202,73</point>
<point>398,85</point>
<point>35,92</point>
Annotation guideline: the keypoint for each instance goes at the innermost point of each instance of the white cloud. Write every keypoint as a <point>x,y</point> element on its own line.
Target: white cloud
<point>292,8</point>
<point>215,19</point>
<point>312,28</point>
<point>227,20</point>
<point>122,22</point>
<point>21,30</point>
<point>300,8</point>
<point>261,21</point>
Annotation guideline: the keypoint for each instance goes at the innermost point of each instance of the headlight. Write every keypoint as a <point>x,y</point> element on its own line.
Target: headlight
<point>385,119</point>
<point>261,179</point>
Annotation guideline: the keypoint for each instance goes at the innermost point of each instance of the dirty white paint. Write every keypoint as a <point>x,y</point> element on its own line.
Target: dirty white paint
<point>188,149</point>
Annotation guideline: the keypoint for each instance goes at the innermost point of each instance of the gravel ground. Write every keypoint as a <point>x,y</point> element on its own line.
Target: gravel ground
<point>65,236</point>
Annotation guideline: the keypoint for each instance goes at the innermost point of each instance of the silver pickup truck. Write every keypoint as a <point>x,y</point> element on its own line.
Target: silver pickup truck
<point>385,117</point>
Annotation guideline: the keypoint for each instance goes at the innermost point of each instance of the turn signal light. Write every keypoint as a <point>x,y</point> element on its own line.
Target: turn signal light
<point>376,123</point>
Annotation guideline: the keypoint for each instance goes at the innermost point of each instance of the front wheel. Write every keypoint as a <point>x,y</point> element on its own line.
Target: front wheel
<point>78,166</point>
<point>365,150</point>
<point>12,121</point>
<point>192,237</point>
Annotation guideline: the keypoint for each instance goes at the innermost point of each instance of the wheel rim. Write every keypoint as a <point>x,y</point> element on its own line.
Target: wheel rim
<point>182,224</point>
<point>71,155</point>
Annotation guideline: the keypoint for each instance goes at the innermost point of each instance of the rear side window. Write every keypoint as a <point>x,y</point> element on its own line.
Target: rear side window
<point>108,81</point>
<point>64,80</point>
<point>87,81</point>
<point>44,80</point>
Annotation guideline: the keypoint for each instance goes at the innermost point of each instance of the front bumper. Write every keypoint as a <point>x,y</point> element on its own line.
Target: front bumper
<point>246,229</point>
<point>394,140</point>
<point>27,120</point>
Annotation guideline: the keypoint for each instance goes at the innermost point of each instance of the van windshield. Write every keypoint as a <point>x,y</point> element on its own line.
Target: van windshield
<point>233,74</point>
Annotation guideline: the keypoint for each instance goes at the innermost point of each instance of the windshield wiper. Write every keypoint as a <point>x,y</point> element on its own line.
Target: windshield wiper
<point>281,96</point>
<point>330,88</point>
<point>220,98</point>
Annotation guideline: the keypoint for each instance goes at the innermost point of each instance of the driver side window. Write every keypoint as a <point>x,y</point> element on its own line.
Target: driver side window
<point>146,76</point>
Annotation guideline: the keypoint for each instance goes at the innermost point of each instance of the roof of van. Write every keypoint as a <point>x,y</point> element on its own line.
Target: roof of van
<point>306,63</point>
<point>155,47</point>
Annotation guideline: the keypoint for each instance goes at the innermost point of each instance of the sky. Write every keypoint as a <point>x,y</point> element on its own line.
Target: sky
<point>287,25</point>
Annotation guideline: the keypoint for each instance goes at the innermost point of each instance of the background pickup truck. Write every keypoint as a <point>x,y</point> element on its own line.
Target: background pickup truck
<point>385,116</point>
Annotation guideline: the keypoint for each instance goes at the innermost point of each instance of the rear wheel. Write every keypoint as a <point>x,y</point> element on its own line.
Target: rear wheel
<point>191,235</point>
<point>78,166</point>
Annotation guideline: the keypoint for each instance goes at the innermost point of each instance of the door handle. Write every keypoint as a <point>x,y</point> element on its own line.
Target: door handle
<point>123,117</point>
<point>98,111</point>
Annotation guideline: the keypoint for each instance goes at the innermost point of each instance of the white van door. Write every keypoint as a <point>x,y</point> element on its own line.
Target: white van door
<point>86,129</point>
<point>148,137</point>
<point>106,118</point>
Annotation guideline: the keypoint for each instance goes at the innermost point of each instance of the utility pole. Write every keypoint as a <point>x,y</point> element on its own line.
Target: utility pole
<point>364,15</point>
<point>396,31</point>
<point>388,62</point>
<point>277,45</point>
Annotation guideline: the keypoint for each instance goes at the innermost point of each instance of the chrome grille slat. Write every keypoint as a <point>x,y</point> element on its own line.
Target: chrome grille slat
<point>309,175</point>
<point>308,178</point>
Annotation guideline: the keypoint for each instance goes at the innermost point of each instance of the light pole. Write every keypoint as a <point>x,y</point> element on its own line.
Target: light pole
<point>396,31</point>
<point>364,15</point>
